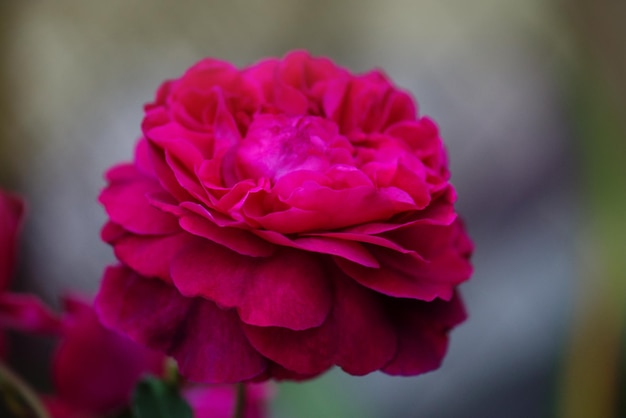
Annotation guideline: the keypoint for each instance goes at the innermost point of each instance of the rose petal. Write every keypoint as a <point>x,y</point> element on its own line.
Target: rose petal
<point>122,173</point>
<point>207,341</point>
<point>289,100</point>
<point>367,339</point>
<point>324,245</point>
<point>215,349</point>
<point>142,158</point>
<point>185,145</point>
<point>312,207</point>
<point>356,336</point>
<point>207,73</point>
<point>166,176</point>
<point>423,334</point>
<point>307,352</point>
<point>149,255</point>
<point>127,205</point>
<point>366,239</point>
<point>429,241</point>
<point>214,216</point>
<point>288,289</point>
<point>407,276</point>
<point>111,232</point>
<point>186,177</point>
<point>238,240</point>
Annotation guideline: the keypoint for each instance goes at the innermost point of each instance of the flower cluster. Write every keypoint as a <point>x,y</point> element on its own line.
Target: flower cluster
<point>282,219</point>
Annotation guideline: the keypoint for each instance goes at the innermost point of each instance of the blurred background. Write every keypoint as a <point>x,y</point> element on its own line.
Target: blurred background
<point>529,96</point>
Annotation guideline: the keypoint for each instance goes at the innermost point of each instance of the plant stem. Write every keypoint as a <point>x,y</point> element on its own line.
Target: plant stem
<point>171,374</point>
<point>240,401</point>
<point>28,396</point>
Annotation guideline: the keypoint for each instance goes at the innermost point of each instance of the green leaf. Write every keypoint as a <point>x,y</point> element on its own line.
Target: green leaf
<point>154,398</point>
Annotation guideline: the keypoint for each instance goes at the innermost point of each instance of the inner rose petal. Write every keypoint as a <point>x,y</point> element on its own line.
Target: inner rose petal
<point>277,145</point>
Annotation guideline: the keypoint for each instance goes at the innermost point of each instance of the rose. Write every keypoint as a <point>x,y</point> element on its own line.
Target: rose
<point>95,371</point>
<point>17,311</point>
<point>282,219</point>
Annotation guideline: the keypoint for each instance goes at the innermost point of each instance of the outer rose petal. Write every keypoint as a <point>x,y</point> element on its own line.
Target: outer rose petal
<point>149,255</point>
<point>323,244</point>
<point>288,289</point>
<point>423,334</point>
<point>409,275</point>
<point>235,239</point>
<point>307,352</point>
<point>207,341</point>
<point>402,276</point>
<point>366,336</point>
<point>356,336</point>
<point>127,205</point>
<point>11,212</point>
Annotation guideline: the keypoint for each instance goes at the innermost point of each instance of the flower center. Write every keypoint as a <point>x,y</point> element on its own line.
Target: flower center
<point>277,145</point>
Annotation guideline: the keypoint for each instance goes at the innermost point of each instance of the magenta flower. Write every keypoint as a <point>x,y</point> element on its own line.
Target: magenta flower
<point>282,219</point>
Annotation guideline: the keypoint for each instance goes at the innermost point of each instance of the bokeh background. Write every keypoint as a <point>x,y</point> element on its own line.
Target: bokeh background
<point>529,96</point>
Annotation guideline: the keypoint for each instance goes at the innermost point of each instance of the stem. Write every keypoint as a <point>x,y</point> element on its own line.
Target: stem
<point>10,380</point>
<point>240,401</point>
<point>171,374</point>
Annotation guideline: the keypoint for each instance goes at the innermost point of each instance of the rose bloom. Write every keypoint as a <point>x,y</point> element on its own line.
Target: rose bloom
<point>17,311</point>
<point>95,371</point>
<point>282,219</point>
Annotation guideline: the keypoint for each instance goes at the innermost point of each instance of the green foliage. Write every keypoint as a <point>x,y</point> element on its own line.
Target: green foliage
<point>155,398</point>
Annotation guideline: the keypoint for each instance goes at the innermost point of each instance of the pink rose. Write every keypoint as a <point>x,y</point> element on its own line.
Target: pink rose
<point>17,311</point>
<point>282,219</point>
